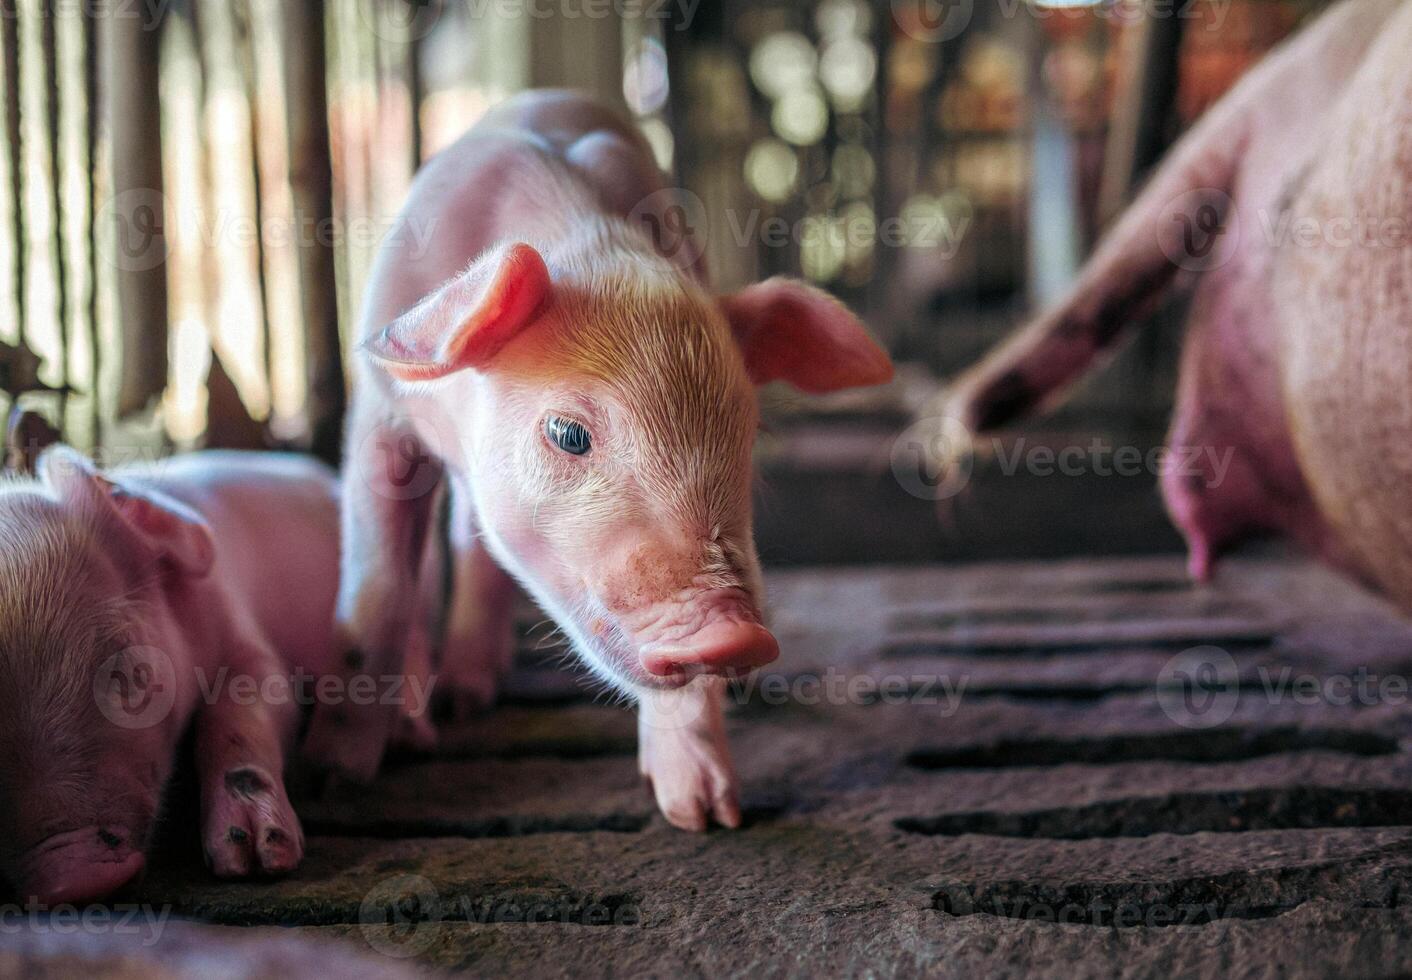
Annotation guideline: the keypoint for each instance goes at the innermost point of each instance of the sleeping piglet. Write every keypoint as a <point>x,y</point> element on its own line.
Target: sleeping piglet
<point>529,334</point>
<point>136,603</point>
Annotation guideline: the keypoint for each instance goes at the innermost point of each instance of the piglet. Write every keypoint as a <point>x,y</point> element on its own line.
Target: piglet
<point>136,603</point>
<point>539,332</point>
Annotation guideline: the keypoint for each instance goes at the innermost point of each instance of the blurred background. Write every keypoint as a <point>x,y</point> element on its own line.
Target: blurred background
<point>193,191</point>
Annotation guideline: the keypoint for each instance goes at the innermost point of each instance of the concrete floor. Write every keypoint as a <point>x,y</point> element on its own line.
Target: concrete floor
<point>1085,768</point>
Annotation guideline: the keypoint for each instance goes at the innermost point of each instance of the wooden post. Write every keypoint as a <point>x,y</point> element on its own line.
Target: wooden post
<point>50,44</point>
<point>1145,93</point>
<point>133,47</point>
<point>311,185</point>
<point>244,18</point>
<point>92,114</point>
<point>14,138</point>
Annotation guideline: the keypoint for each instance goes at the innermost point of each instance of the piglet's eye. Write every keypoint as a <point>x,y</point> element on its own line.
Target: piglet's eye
<point>568,435</point>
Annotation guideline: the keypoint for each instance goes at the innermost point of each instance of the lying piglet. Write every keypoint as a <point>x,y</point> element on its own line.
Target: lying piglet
<point>537,328</point>
<point>136,602</point>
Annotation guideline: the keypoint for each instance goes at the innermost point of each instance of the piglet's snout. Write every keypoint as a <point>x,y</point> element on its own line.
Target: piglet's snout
<point>80,866</point>
<point>725,647</point>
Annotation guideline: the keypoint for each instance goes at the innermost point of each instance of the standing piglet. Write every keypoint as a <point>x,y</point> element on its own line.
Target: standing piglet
<point>133,604</point>
<point>1290,207</point>
<point>593,406</point>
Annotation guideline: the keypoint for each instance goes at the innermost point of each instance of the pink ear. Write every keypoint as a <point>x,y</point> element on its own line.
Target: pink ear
<point>792,332</point>
<point>163,527</point>
<point>466,322</point>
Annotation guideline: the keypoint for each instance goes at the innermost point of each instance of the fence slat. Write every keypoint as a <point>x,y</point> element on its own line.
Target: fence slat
<point>50,44</point>
<point>14,138</point>
<point>134,114</point>
<point>311,185</point>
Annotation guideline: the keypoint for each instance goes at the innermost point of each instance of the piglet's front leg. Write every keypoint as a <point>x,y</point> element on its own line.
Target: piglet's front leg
<point>682,751</point>
<point>248,824</point>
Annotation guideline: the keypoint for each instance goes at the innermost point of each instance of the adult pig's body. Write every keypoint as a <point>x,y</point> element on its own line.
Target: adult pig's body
<point>138,603</point>
<point>1250,395</point>
<point>592,409</point>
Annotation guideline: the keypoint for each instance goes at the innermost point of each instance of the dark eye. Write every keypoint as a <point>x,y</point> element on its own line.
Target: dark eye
<point>568,435</point>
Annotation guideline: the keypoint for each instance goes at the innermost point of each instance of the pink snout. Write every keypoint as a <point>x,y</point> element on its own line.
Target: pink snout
<point>80,866</point>
<point>720,648</point>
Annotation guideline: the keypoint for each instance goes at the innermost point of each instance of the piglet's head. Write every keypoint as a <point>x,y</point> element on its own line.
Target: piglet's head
<point>605,410</point>
<point>93,714</point>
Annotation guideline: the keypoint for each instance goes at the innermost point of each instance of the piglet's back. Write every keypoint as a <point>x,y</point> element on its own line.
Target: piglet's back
<point>274,517</point>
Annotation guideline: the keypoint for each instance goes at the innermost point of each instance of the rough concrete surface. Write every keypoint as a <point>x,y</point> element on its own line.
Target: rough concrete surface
<point>1088,768</point>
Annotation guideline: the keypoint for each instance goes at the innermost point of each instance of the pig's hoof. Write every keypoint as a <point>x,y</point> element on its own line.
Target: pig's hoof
<point>463,694</point>
<point>415,733</point>
<point>348,741</point>
<point>250,827</point>
<point>694,783</point>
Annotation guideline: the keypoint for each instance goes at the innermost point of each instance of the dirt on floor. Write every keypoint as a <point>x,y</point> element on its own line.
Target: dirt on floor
<point>1087,768</point>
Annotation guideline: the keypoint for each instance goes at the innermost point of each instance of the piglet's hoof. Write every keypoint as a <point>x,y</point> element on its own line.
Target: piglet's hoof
<point>693,780</point>
<point>348,740</point>
<point>250,828</point>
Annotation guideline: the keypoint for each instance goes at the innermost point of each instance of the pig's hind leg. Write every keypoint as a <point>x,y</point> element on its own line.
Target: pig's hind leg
<point>389,493</point>
<point>248,825</point>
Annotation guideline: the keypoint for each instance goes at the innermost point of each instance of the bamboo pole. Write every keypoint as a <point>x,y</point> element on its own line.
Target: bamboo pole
<point>14,138</point>
<point>50,44</point>
<point>133,48</point>
<point>244,17</point>
<point>311,185</point>
<point>92,115</point>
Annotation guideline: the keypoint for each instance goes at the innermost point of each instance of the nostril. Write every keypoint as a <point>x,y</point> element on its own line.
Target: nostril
<point>719,648</point>
<point>80,866</point>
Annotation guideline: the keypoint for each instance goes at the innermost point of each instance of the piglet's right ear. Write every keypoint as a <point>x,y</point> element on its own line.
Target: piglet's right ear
<point>466,322</point>
<point>154,525</point>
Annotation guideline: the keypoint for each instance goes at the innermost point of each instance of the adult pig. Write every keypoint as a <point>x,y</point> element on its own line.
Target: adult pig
<point>136,603</point>
<point>1290,206</point>
<point>593,407</point>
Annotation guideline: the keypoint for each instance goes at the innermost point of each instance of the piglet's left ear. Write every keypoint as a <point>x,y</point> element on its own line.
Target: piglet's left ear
<point>148,525</point>
<point>789,331</point>
<point>465,322</point>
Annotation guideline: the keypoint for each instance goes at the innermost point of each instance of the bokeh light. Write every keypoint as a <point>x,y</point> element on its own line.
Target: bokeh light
<point>801,116</point>
<point>772,169</point>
